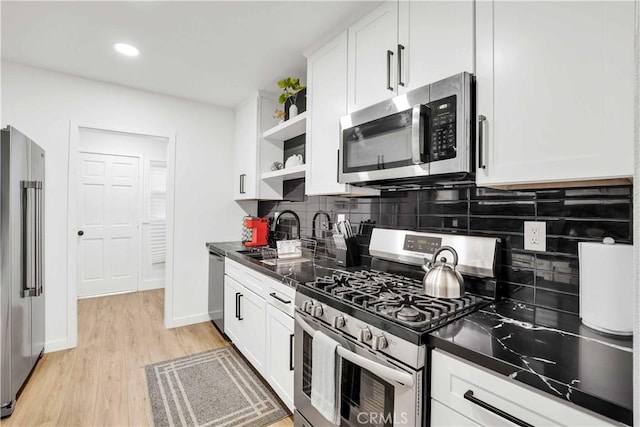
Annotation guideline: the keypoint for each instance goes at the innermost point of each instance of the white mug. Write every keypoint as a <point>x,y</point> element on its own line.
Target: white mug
<point>294,160</point>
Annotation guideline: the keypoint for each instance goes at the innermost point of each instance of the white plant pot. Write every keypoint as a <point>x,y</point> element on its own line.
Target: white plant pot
<point>293,111</point>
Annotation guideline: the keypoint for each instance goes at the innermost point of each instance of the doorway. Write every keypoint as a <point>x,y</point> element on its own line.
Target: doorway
<point>121,214</point>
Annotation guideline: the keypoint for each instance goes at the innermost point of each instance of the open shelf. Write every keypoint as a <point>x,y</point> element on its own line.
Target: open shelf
<point>293,172</point>
<point>289,129</point>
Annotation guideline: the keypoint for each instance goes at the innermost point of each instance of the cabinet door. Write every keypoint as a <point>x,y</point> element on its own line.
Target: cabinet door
<point>232,326</point>
<point>252,315</point>
<point>244,180</point>
<point>555,83</point>
<point>372,71</point>
<point>438,41</point>
<point>279,360</point>
<point>442,416</point>
<point>326,103</point>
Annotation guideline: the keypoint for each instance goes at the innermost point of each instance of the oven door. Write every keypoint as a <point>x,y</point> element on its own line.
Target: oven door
<point>372,390</point>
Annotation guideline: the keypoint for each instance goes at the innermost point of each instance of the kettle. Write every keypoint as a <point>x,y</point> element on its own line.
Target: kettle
<point>442,279</point>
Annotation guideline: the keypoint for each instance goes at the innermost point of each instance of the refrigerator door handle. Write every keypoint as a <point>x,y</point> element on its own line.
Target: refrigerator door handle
<point>28,267</point>
<point>38,237</point>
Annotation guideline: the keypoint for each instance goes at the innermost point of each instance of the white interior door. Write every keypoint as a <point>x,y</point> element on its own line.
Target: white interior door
<point>108,224</point>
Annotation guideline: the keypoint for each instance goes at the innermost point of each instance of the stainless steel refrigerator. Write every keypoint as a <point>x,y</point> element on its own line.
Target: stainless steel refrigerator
<point>21,262</point>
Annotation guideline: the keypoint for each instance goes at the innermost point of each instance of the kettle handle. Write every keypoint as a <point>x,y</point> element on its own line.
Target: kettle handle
<point>443,249</point>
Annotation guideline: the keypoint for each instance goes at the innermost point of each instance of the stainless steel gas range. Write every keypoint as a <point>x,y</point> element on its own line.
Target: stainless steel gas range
<point>381,318</point>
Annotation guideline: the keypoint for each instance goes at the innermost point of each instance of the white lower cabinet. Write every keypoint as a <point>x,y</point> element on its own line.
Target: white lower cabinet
<point>443,416</point>
<point>244,314</point>
<point>279,363</point>
<point>252,312</point>
<point>258,318</point>
<point>463,388</point>
<point>232,325</point>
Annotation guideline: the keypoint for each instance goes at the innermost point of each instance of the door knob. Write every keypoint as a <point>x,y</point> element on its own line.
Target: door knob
<point>80,233</point>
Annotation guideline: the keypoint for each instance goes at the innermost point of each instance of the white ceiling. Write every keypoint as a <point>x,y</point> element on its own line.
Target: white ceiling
<point>216,52</point>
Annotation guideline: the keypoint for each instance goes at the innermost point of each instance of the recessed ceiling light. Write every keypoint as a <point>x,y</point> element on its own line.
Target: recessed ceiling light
<point>126,49</point>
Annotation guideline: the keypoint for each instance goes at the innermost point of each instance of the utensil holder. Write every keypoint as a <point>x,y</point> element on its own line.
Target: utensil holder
<point>349,257</point>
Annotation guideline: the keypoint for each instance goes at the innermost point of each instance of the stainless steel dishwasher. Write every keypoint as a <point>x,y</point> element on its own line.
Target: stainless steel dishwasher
<point>216,290</point>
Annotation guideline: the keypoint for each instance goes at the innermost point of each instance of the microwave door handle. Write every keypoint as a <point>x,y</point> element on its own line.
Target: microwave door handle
<point>375,368</point>
<point>417,133</point>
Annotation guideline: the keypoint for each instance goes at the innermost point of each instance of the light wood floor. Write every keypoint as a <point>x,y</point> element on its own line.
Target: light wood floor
<point>102,381</point>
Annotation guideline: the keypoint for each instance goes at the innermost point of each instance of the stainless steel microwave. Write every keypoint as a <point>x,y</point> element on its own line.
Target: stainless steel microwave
<point>424,132</point>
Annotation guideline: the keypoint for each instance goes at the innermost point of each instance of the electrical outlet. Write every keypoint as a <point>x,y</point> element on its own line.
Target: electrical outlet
<point>535,235</point>
<point>341,217</point>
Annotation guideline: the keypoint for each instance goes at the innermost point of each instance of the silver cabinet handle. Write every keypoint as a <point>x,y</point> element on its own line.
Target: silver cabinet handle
<point>389,55</point>
<point>481,143</point>
<point>400,49</point>
<point>417,134</point>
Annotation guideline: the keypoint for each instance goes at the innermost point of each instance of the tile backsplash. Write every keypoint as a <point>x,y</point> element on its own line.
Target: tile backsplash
<point>546,279</point>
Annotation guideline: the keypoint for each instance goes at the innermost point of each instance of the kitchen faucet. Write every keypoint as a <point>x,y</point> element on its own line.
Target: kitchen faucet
<point>313,222</point>
<point>276,222</point>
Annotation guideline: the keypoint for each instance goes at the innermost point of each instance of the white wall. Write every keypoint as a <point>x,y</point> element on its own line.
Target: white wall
<point>42,104</point>
<point>147,149</point>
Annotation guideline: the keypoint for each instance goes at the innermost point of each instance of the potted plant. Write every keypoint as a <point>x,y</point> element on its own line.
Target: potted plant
<point>290,87</point>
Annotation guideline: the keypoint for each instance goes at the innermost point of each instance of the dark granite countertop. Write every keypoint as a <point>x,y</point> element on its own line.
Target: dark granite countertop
<point>550,351</point>
<point>288,273</point>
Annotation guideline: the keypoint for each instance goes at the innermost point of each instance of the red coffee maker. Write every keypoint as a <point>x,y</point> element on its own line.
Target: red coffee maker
<point>255,231</point>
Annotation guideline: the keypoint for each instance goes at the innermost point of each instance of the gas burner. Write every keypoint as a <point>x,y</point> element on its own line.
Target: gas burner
<point>408,314</point>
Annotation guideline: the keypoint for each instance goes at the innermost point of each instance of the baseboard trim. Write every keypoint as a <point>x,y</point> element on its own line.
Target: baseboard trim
<point>57,345</point>
<point>176,322</point>
<point>148,285</point>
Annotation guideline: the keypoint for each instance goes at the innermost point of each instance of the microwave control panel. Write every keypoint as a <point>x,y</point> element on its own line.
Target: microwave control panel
<point>442,129</point>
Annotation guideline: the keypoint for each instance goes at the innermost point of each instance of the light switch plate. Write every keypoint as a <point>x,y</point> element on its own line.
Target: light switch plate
<point>535,235</point>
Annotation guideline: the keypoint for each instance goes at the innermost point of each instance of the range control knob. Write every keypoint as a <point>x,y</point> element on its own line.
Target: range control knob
<point>379,342</point>
<point>317,311</point>
<point>307,306</point>
<point>337,321</point>
<point>364,334</point>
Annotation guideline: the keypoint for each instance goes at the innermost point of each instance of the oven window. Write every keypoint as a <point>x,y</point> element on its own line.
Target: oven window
<point>381,144</point>
<point>365,399</point>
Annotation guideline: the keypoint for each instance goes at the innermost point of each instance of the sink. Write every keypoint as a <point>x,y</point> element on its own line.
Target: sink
<point>252,253</point>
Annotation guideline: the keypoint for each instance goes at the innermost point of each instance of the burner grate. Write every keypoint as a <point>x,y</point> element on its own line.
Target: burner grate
<point>394,297</point>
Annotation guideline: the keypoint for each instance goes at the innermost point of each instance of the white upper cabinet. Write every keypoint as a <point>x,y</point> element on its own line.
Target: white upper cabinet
<point>252,118</point>
<point>372,57</point>
<point>326,103</point>
<point>555,86</point>
<point>245,180</point>
<point>402,45</point>
<point>436,40</point>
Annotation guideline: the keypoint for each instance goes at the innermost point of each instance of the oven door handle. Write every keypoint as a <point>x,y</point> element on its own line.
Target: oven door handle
<point>375,368</point>
<point>417,134</point>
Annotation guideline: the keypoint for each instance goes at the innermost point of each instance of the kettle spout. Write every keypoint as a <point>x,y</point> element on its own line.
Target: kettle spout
<point>427,265</point>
